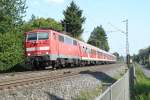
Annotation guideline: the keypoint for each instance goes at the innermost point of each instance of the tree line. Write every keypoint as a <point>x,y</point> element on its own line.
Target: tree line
<point>12,28</point>
<point>143,57</point>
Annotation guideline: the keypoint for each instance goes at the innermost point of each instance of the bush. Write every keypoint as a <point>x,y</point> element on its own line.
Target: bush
<point>11,50</point>
<point>141,90</point>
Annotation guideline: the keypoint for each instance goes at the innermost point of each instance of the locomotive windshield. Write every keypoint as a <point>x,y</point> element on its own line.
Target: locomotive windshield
<point>37,36</point>
<point>32,36</point>
<point>42,36</point>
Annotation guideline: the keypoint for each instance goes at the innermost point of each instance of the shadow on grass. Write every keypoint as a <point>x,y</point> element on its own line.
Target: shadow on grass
<point>53,97</point>
<point>100,76</point>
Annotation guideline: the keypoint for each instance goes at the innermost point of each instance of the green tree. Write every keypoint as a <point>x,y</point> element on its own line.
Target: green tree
<point>35,23</point>
<point>11,13</point>
<point>144,55</point>
<point>117,55</point>
<point>135,58</point>
<point>98,38</point>
<point>11,37</point>
<point>73,20</point>
<point>11,50</point>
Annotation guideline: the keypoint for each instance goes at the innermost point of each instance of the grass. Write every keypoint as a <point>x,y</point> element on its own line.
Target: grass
<point>92,94</point>
<point>141,90</point>
<point>89,94</point>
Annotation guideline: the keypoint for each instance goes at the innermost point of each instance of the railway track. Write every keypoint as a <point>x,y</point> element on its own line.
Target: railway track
<point>42,76</point>
<point>8,84</point>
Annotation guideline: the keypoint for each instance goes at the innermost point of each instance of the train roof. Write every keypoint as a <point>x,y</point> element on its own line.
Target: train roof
<point>37,30</point>
<point>81,42</point>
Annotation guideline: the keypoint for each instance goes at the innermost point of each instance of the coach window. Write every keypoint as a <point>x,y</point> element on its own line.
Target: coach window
<point>88,50</point>
<point>84,49</point>
<point>91,51</point>
<point>101,54</point>
<point>61,38</point>
<point>96,52</point>
<point>54,36</point>
<point>68,40</point>
<point>74,42</point>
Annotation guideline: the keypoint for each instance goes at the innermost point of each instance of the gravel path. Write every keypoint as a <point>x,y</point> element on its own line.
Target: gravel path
<point>64,89</point>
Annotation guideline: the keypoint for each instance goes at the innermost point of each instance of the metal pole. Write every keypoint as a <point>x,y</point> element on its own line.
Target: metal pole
<point>127,40</point>
<point>127,44</point>
<point>149,59</point>
<point>65,26</point>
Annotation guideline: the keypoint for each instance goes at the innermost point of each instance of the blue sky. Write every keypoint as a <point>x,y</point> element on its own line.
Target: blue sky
<point>103,12</point>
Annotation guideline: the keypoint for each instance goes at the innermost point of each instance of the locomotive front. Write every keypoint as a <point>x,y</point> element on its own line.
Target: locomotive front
<point>37,47</point>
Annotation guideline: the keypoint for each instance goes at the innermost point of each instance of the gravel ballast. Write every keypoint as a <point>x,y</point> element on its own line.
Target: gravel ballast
<point>67,88</point>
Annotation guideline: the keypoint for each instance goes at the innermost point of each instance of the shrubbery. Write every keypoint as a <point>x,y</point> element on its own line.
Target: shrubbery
<point>11,50</point>
<point>141,90</point>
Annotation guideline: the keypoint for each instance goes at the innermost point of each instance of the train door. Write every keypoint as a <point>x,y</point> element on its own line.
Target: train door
<point>54,46</point>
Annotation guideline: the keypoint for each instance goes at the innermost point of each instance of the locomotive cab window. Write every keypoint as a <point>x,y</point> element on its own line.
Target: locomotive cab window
<point>42,36</point>
<point>32,36</point>
<point>37,36</point>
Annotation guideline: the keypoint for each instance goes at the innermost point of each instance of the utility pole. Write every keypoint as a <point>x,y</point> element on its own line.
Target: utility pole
<point>149,59</point>
<point>127,44</point>
<point>127,40</point>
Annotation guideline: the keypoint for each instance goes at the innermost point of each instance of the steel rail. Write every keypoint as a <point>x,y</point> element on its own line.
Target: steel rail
<point>30,80</point>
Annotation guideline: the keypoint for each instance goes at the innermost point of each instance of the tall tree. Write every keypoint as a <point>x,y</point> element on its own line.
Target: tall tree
<point>117,55</point>
<point>11,13</point>
<point>35,23</point>
<point>143,56</point>
<point>73,20</point>
<point>98,38</point>
<point>11,39</point>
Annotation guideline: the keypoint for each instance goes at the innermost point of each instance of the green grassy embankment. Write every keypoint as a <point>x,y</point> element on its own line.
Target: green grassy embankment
<point>141,90</point>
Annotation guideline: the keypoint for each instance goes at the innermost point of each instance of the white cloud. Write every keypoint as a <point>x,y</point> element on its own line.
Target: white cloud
<point>55,1</point>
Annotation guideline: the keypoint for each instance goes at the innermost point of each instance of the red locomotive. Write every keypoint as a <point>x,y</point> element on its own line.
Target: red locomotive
<point>48,47</point>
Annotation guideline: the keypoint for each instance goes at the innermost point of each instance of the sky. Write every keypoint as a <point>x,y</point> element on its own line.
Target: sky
<point>107,13</point>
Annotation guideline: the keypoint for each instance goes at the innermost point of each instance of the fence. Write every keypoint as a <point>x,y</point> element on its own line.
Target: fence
<point>120,90</point>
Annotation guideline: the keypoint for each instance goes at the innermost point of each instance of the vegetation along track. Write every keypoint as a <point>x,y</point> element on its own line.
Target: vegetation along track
<point>41,76</point>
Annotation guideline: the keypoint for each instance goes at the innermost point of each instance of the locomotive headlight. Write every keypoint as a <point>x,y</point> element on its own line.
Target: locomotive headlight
<point>29,54</point>
<point>46,52</point>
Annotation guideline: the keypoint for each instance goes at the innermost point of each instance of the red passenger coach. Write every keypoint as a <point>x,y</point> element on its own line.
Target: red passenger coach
<point>48,47</point>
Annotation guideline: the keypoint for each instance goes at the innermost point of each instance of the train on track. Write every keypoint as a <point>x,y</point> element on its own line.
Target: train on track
<point>45,47</point>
